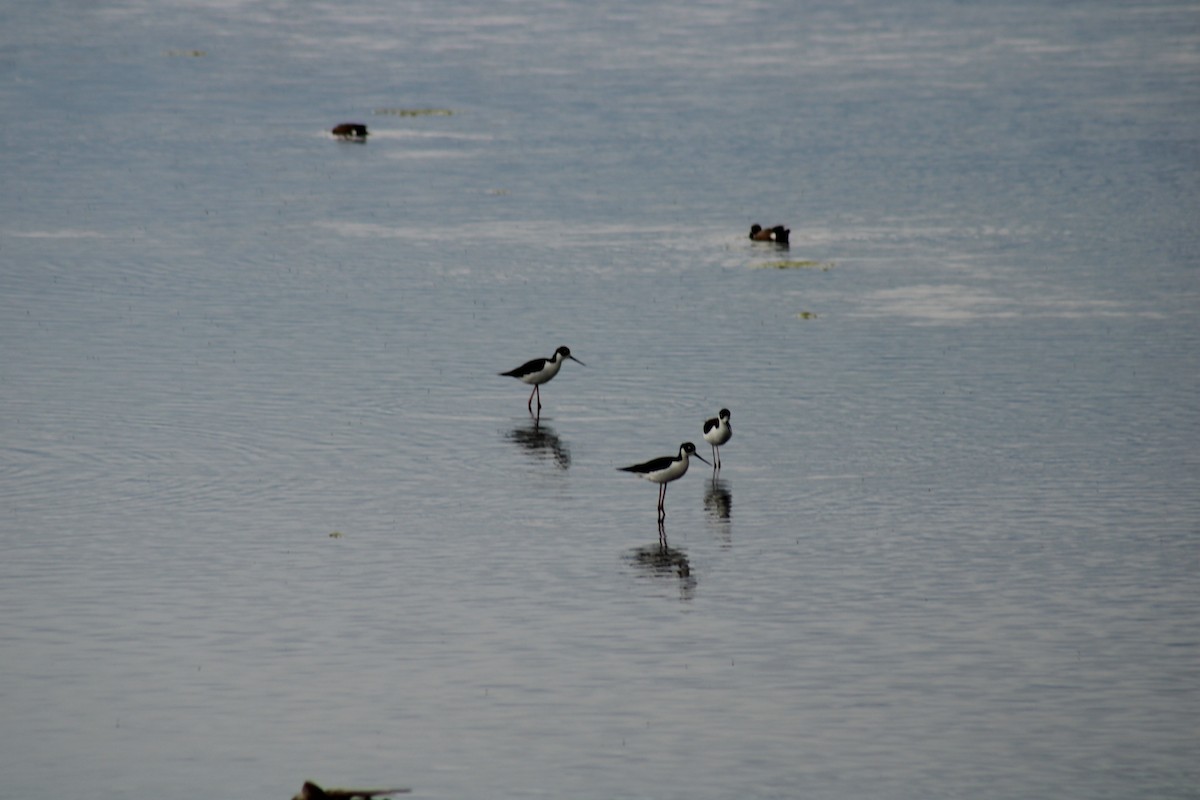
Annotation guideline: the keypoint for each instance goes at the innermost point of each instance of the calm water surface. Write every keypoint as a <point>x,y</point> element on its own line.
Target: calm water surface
<point>269,513</point>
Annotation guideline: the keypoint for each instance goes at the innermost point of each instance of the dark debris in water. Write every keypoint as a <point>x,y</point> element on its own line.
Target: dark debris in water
<point>310,791</point>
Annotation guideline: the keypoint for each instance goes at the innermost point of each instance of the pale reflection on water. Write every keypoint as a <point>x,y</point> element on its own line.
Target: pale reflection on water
<point>718,508</point>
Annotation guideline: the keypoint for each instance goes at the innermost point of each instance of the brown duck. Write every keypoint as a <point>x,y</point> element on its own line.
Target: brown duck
<point>778,234</point>
<point>350,130</point>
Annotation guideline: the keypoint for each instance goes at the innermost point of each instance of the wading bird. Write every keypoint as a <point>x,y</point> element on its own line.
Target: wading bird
<point>540,370</point>
<point>717,432</point>
<point>665,469</point>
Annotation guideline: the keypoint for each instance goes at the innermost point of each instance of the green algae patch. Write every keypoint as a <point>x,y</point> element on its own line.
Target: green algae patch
<point>414,112</point>
<point>824,266</point>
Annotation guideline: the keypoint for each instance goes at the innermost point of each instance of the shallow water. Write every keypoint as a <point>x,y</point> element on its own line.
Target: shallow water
<point>269,513</point>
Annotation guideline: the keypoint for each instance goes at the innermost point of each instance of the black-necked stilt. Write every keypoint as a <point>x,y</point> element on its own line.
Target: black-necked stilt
<point>664,470</point>
<point>717,432</point>
<point>350,130</point>
<point>778,234</point>
<point>539,371</point>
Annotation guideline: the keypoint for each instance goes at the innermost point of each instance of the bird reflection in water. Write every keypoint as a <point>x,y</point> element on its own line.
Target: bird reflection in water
<point>662,560</point>
<point>718,507</point>
<point>539,440</point>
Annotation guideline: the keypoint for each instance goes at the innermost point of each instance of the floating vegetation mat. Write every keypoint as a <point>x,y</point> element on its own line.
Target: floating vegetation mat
<point>824,266</point>
<point>414,112</point>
